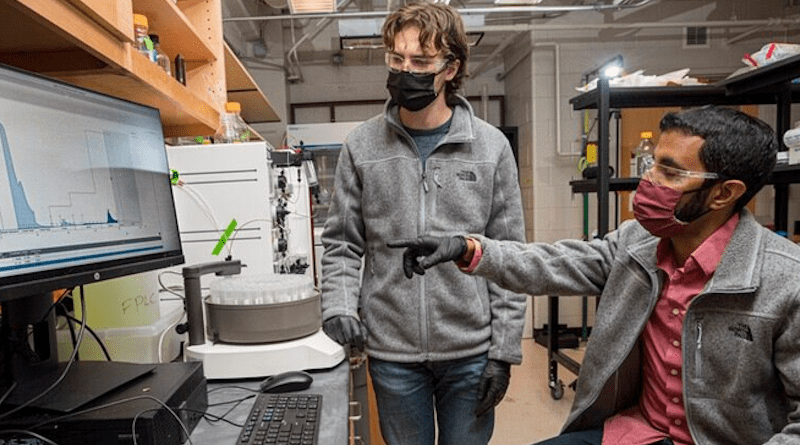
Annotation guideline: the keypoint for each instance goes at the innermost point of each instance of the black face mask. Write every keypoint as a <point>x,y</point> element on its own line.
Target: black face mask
<point>412,91</point>
<point>695,208</point>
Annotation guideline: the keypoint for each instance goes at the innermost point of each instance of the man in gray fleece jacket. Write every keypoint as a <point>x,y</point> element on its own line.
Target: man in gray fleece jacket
<point>696,338</point>
<point>440,346</point>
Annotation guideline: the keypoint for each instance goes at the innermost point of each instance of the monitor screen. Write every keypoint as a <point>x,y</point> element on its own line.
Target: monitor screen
<point>85,191</point>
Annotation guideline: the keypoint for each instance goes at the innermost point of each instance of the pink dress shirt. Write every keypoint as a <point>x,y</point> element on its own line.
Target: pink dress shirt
<point>660,412</point>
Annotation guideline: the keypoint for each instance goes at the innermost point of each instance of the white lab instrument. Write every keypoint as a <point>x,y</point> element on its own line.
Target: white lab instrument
<point>322,142</point>
<point>243,327</point>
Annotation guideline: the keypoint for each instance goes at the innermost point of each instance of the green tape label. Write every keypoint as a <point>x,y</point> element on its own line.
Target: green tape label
<point>224,238</point>
<point>174,177</point>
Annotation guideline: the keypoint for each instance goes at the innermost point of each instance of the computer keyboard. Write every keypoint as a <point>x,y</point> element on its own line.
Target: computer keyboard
<point>283,419</point>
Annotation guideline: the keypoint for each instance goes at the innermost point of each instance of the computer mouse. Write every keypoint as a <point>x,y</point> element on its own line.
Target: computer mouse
<point>287,382</point>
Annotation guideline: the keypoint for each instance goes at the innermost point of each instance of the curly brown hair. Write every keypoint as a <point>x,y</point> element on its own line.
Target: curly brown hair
<point>440,25</point>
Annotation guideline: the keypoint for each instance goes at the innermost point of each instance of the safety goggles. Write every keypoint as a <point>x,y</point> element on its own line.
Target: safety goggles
<point>416,64</point>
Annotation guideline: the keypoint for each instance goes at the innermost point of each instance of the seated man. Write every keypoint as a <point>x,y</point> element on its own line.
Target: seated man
<point>696,337</point>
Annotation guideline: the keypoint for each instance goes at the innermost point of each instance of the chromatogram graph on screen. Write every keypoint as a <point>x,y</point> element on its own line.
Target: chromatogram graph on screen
<point>91,192</point>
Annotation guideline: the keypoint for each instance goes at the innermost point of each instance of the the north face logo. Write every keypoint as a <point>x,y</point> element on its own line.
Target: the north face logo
<point>466,175</point>
<point>741,330</point>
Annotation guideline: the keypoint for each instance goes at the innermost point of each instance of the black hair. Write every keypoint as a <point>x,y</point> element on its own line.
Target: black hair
<point>735,145</point>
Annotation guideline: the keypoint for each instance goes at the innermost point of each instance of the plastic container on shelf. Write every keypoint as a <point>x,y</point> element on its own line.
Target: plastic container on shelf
<point>645,149</point>
<point>121,302</point>
<point>156,342</point>
<point>791,138</point>
<point>232,127</point>
<point>140,32</point>
<point>161,59</point>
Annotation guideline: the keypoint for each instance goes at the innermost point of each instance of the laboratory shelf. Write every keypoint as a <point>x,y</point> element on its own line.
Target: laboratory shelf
<point>785,174</point>
<point>614,185</point>
<point>686,96</point>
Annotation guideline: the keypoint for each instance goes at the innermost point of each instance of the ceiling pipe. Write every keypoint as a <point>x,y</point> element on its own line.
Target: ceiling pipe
<point>463,11</point>
<point>556,93</point>
<point>240,6</point>
<point>795,21</point>
<point>292,59</point>
<point>744,35</point>
<point>749,32</point>
<point>649,25</point>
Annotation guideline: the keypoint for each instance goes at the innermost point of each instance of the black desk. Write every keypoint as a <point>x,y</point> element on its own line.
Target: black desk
<point>333,384</point>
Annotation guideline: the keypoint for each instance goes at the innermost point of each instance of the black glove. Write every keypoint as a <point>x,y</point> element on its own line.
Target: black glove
<point>492,386</point>
<point>346,330</point>
<point>435,250</point>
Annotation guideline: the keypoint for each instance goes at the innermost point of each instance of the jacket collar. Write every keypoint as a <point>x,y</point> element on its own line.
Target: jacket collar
<point>462,127</point>
<point>737,271</point>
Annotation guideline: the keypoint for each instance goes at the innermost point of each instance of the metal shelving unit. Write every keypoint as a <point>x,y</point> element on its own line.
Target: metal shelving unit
<point>770,85</point>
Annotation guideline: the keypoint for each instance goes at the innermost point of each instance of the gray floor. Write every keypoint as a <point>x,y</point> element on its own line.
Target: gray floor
<point>528,413</point>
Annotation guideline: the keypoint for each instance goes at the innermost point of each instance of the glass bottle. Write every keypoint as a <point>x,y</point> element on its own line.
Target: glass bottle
<point>231,126</point>
<point>633,172</point>
<point>645,149</point>
<point>243,130</point>
<point>143,43</point>
<point>161,59</point>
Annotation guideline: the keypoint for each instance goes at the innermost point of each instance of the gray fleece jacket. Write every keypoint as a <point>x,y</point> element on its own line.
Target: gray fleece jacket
<point>741,334</point>
<point>383,193</point>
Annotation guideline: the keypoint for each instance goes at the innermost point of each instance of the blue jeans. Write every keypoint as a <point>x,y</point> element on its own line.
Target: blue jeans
<point>406,394</point>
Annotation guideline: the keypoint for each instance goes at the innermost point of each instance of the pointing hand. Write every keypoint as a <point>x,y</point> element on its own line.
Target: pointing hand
<point>434,249</point>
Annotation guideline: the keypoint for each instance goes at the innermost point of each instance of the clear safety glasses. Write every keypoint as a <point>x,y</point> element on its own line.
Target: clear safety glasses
<point>665,174</point>
<point>416,65</point>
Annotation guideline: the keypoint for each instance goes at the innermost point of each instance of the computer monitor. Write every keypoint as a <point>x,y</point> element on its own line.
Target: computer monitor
<point>85,196</point>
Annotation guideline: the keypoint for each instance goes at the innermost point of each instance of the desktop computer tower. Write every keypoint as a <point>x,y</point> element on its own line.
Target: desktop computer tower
<point>181,386</point>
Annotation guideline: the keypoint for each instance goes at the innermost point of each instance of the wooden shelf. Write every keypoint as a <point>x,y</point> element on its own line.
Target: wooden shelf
<point>112,15</point>
<point>33,30</point>
<point>182,112</point>
<point>243,89</point>
<point>86,43</point>
<point>177,34</point>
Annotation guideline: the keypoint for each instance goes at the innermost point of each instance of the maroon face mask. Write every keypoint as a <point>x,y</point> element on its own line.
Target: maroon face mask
<point>654,206</point>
